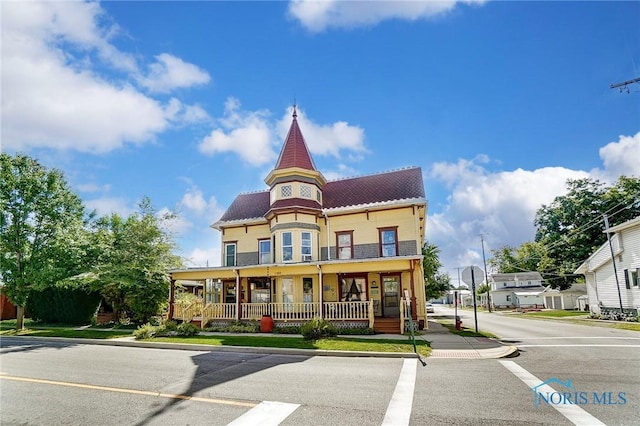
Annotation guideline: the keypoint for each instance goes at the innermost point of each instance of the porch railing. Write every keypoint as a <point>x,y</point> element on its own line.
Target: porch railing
<point>332,311</point>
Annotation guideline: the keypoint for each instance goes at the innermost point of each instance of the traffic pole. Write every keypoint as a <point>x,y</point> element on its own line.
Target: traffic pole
<point>475,307</point>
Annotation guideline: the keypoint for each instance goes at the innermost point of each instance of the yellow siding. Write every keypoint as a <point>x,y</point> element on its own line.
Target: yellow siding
<point>365,229</point>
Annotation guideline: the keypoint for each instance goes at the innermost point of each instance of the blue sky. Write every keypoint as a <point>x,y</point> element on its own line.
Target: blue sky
<point>189,103</point>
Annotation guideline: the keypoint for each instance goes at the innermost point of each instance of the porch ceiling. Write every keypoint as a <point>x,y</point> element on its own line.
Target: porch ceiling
<point>274,270</point>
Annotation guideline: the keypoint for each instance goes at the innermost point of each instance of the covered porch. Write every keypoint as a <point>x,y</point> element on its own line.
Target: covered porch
<point>369,293</point>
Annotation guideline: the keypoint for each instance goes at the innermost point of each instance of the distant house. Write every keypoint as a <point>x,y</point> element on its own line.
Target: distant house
<point>7,309</point>
<point>604,291</point>
<point>565,299</point>
<point>516,290</point>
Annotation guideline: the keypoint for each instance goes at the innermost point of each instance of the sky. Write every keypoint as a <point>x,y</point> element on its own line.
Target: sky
<point>188,103</point>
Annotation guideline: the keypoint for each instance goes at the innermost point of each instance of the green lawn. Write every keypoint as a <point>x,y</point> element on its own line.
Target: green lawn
<point>466,332</point>
<point>7,328</point>
<point>334,344</point>
<point>66,332</point>
<point>556,314</point>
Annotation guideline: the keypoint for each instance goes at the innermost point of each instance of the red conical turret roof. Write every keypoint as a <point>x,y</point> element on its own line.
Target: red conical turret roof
<point>295,152</point>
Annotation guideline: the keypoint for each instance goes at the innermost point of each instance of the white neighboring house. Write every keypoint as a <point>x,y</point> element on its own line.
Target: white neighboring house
<point>565,299</point>
<point>602,288</point>
<point>517,290</point>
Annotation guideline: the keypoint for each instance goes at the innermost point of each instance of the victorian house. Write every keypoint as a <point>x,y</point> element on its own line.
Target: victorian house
<point>346,250</point>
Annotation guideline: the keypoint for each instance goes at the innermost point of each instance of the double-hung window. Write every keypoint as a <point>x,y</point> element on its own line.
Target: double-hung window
<point>388,242</point>
<point>287,247</point>
<point>345,244</point>
<point>305,246</point>
<point>264,251</point>
<point>230,254</point>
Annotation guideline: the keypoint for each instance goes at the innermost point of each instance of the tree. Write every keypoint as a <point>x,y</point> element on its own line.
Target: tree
<point>530,256</point>
<point>571,227</point>
<point>39,218</point>
<point>435,283</point>
<point>137,254</point>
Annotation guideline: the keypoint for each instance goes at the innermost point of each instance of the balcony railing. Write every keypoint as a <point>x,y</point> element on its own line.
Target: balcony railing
<point>332,311</point>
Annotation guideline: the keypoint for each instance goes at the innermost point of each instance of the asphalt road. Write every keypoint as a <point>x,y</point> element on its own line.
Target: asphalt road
<point>52,383</point>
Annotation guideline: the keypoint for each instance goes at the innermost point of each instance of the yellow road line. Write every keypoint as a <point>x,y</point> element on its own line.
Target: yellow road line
<point>4,376</point>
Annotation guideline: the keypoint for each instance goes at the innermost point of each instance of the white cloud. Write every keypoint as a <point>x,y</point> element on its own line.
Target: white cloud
<point>342,171</point>
<point>92,187</point>
<point>319,15</point>
<point>55,93</point>
<point>328,139</point>
<point>175,224</point>
<point>194,201</point>
<point>501,206</point>
<point>621,158</point>
<point>107,205</point>
<point>203,257</point>
<point>257,141</point>
<point>169,73</point>
<point>245,133</point>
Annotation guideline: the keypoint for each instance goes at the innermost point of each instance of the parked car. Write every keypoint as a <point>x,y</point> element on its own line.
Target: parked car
<point>430,308</point>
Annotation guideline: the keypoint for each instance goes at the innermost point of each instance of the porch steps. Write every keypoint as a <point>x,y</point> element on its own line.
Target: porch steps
<point>387,325</point>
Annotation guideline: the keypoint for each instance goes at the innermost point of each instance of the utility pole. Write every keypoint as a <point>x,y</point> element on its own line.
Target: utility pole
<point>486,276</point>
<point>624,85</point>
<point>613,260</point>
<point>455,293</point>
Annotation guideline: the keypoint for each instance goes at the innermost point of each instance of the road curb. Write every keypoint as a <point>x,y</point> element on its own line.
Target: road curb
<point>490,353</point>
<point>129,342</point>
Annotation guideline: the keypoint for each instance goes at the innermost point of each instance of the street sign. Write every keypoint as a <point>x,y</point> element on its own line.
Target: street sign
<point>473,276</point>
<point>478,275</point>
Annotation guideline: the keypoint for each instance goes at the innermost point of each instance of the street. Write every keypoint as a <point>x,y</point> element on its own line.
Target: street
<point>55,383</point>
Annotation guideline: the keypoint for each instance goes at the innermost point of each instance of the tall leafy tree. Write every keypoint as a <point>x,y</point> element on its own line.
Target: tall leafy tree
<point>435,282</point>
<point>530,256</point>
<point>138,252</point>
<point>40,218</point>
<point>571,227</point>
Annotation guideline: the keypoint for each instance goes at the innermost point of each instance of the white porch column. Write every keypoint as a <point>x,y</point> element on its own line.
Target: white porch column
<point>321,296</point>
<point>238,294</point>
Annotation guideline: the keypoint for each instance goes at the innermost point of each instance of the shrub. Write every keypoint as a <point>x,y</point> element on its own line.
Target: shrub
<point>356,331</point>
<point>146,331</point>
<point>187,329</point>
<point>63,305</point>
<point>170,325</point>
<point>236,327</point>
<point>287,329</point>
<point>318,328</point>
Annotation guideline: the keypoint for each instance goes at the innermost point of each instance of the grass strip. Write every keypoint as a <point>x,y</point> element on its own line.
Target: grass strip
<point>67,333</point>
<point>556,314</point>
<point>466,332</point>
<point>333,344</point>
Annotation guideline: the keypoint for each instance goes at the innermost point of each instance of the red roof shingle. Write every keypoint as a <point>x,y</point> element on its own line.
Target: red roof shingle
<point>389,186</point>
<point>294,151</point>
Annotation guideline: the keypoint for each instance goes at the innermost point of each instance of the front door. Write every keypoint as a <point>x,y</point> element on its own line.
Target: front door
<point>391,296</point>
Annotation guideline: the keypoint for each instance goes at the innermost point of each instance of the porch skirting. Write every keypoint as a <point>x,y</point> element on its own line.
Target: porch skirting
<point>354,314</point>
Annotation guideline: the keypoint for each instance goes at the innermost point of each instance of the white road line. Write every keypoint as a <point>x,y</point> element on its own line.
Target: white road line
<point>565,338</point>
<point>267,413</point>
<point>578,346</point>
<point>399,409</point>
<point>573,413</point>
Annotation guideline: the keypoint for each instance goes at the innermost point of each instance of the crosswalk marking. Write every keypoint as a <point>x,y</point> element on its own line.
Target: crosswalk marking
<point>267,413</point>
<point>399,409</point>
<point>573,413</point>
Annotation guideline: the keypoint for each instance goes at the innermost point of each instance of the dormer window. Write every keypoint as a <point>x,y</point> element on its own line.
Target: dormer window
<point>305,191</point>
<point>286,191</point>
